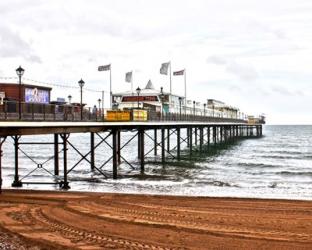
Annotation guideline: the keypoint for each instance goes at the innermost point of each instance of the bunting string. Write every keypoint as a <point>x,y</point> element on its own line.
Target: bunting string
<point>58,85</point>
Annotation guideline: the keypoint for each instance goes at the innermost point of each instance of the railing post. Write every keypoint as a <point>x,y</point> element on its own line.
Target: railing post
<point>54,112</point>
<point>5,110</point>
<point>32,112</point>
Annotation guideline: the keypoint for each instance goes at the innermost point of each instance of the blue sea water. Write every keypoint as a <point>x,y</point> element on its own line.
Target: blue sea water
<point>278,165</point>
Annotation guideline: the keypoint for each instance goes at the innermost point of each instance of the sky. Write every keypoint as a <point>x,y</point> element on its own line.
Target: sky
<point>252,54</point>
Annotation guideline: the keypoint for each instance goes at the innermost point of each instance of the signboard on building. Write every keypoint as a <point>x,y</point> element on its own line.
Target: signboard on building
<point>36,95</point>
<point>140,99</point>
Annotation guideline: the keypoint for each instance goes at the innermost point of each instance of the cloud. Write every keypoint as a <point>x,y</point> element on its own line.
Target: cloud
<point>12,45</point>
<point>244,72</point>
<point>280,90</point>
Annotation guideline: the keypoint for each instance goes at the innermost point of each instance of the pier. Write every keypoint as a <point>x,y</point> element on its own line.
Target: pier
<point>199,137</point>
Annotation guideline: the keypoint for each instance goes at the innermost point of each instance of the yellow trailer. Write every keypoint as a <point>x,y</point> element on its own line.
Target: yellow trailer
<point>139,115</point>
<point>118,116</point>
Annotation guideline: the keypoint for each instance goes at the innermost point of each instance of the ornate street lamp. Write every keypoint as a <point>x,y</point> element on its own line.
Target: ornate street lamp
<point>138,90</point>
<point>99,101</point>
<point>194,108</point>
<point>20,71</point>
<point>180,104</point>
<point>205,104</point>
<point>81,84</point>
<point>69,99</point>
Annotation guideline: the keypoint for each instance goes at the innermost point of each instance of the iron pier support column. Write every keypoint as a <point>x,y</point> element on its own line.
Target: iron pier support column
<point>155,141</point>
<point>178,144</point>
<point>201,139</point>
<point>139,146</point>
<point>208,137</point>
<point>237,135</point>
<point>162,145</point>
<point>214,135</point>
<point>188,137</point>
<point>114,138</point>
<point>191,140</point>
<point>2,140</point>
<point>118,147</point>
<point>168,139</point>
<point>92,150</point>
<point>141,135</point>
<point>56,154</point>
<point>16,182</point>
<point>221,134</point>
<point>65,185</point>
<point>196,135</point>
<point>231,133</point>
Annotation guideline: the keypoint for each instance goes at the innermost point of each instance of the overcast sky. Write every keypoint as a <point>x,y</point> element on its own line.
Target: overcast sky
<point>253,54</point>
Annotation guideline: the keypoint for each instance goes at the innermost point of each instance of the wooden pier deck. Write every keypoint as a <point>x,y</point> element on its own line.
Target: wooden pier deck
<point>200,136</point>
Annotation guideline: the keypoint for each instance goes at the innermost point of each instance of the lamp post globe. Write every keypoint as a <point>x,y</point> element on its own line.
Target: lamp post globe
<point>20,72</point>
<point>81,84</point>
<point>138,90</point>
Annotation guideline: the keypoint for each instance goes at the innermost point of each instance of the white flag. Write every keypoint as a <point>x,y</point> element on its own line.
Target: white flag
<point>129,76</point>
<point>164,68</point>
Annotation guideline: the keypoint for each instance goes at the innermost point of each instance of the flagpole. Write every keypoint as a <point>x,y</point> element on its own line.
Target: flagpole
<point>185,89</point>
<point>103,100</point>
<point>132,82</point>
<point>170,79</point>
<point>110,86</point>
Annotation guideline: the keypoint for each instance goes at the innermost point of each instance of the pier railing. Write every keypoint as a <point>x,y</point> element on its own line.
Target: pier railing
<point>9,111</point>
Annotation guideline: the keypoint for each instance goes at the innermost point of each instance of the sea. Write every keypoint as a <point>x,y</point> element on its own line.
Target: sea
<point>277,165</point>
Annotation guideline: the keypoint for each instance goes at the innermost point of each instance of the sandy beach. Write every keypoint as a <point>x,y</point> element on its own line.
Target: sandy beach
<point>77,220</point>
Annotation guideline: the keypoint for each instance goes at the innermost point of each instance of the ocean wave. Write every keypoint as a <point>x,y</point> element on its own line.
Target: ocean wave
<point>256,165</point>
<point>295,173</point>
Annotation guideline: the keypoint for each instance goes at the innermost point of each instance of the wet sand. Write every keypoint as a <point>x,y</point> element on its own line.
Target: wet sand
<point>77,220</point>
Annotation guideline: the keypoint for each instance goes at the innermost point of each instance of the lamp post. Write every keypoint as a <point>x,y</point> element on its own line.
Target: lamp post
<point>138,90</point>
<point>99,101</point>
<point>194,108</point>
<point>162,97</point>
<point>205,104</point>
<point>180,103</point>
<point>212,110</point>
<point>69,99</point>
<point>81,84</point>
<point>20,71</point>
